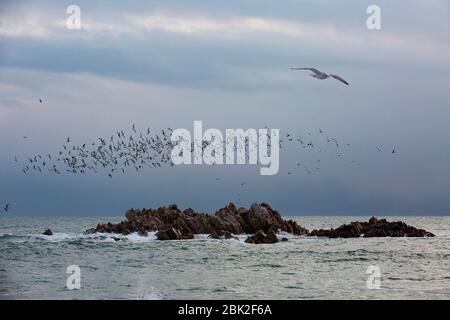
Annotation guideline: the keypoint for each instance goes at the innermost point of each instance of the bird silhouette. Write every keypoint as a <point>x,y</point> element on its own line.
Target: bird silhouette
<point>322,75</point>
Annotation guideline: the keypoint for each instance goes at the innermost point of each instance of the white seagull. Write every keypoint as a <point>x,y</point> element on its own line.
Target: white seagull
<point>322,75</point>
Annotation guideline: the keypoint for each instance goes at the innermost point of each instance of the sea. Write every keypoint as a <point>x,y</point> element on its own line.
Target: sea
<point>71,265</point>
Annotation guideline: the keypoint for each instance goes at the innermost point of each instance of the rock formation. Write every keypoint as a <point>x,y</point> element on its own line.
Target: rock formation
<point>373,228</point>
<point>172,223</point>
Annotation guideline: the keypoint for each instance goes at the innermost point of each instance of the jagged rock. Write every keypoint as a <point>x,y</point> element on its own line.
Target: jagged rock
<point>221,234</point>
<point>48,232</point>
<point>373,228</point>
<point>261,237</point>
<point>173,234</point>
<point>228,219</point>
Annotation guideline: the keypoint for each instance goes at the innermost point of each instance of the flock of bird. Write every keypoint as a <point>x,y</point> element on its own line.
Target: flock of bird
<point>115,154</point>
<point>138,150</point>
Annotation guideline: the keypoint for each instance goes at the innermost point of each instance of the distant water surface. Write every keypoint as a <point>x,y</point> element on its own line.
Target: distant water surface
<point>33,266</point>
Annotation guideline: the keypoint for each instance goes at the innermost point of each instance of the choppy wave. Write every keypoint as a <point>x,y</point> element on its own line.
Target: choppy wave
<point>105,237</point>
<point>61,236</point>
<point>114,237</point>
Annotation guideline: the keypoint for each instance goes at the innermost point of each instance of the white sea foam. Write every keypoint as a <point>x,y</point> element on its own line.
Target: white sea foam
<point>113,237</point>
<point>107,237</point>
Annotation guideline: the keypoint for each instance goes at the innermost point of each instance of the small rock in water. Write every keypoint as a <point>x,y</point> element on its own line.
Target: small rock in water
<point>221,234</point>
<point>48,232</point>
<point>173,234</point>
<point>143,233</point>
<point>261,237</point>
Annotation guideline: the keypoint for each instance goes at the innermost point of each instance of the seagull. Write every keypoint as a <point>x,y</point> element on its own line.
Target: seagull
<point>335,141</point>
<point>322,75</point>
<point>7,207</point>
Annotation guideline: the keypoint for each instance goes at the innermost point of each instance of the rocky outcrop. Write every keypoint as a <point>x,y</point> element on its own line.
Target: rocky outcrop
<point>260,220</point>
<point>48,232</point>
<point>172,223</point>
<point>261,237</point>
<point>373,228</point>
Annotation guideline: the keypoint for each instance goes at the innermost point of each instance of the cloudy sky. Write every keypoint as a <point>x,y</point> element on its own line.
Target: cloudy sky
<point>167,63</point>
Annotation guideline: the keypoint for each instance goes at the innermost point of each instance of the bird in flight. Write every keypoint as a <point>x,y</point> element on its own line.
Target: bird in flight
<point>7,207</point>
<point>322,75</point>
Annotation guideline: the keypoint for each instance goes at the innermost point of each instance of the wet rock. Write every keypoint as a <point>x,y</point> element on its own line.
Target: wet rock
<point>284,239</point>
<point>261,237</point>
<point>89,231</point>
<point>143,233</point>
<point>373,228</point>
<point>173,234</point>
<point>221,234</point>
<point>48,232</point>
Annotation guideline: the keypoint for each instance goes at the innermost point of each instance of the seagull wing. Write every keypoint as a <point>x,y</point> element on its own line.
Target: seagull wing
<point>310,69</point>
<point>339,78</point>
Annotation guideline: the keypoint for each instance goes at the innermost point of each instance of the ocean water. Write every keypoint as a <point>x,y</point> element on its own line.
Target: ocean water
<point>33,266</point>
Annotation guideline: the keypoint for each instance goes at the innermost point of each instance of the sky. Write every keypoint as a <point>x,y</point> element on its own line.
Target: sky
<point>166,63</point>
